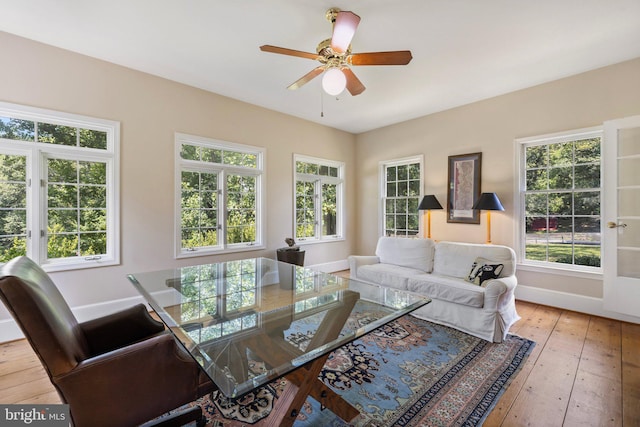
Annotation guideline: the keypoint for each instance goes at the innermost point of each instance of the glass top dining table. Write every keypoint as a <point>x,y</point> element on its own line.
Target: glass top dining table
<point>250,321</point>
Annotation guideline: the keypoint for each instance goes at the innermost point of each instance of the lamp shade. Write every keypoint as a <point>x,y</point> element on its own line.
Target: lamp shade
<point>429,202</point>
<point>488,202</point>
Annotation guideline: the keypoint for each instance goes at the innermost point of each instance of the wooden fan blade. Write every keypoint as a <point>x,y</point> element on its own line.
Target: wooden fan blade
<point>398,57</point>
<point>354,85</point>
<point>306,78</point>
<point>290,52</point>
<point>343,31</point>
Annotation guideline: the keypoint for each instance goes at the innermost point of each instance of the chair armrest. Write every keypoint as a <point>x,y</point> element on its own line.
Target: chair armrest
<point>497,290</point>
<point>158,375</point>
<point>356,261</point>
<point>119,329</point>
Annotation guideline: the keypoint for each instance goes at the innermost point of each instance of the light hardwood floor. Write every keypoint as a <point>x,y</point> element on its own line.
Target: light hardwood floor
<point>583,371</point>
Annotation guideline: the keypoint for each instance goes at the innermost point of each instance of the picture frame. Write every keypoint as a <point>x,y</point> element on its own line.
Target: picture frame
<point>464,188</point>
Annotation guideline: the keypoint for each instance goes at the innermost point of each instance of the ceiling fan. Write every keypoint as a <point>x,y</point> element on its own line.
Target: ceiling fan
<point>335,56</point>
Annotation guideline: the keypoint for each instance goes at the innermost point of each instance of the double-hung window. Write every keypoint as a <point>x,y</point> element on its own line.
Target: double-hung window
<point>318,199</point>
<point>219,196</point>
<point>400,182</point>
<point>58,188</point>
<point>560,192</point>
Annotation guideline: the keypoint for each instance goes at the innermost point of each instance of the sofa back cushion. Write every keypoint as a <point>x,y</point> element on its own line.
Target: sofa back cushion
<point>456,259</point>
<point>407,252</point>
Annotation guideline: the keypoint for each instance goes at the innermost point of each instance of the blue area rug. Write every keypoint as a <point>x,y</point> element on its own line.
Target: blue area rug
<point>408,373</point>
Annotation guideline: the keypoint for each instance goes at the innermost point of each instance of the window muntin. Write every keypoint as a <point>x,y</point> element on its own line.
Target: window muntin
<point>58,176</point>
<point>220,196</point>
<point>318,198</point>
<point>561,198</point>
<point>401,189</point>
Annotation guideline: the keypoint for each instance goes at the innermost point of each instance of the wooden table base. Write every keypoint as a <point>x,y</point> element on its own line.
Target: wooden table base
<point>302,383</point>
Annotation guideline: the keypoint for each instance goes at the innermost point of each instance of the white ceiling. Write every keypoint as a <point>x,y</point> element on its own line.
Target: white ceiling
<point>463,50</point>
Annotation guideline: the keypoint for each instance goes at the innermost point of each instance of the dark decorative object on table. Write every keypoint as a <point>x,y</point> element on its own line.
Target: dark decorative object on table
<point>291,254</point>
<point>292,244</point>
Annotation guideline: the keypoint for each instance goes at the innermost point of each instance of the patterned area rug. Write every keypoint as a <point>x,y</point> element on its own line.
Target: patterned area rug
<point>408,373</point>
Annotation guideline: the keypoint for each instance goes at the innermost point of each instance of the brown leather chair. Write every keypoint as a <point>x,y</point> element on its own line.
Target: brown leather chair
<point>123,369</point>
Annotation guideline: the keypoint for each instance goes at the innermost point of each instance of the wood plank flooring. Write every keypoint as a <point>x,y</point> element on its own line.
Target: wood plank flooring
<point>583,371</point>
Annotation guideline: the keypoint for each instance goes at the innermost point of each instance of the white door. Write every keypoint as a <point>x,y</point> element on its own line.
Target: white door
<point>621,215</point>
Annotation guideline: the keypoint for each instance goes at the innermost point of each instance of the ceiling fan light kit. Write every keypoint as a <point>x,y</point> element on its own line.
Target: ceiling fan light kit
<point>335,56</point>
<point>334,81</point>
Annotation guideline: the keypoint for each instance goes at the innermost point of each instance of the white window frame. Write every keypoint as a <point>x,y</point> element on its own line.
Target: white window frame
<point>382,190</point>
<point>222,170</point>
<point>519,205</point>
<point>318,181</point>
<point>37,154</point>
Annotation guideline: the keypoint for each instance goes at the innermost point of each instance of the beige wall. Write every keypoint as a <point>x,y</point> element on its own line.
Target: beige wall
<point>490,127</point>
<point>150,111</point>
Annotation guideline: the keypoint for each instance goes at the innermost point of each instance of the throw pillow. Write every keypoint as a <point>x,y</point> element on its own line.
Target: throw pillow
<point>483,270</point>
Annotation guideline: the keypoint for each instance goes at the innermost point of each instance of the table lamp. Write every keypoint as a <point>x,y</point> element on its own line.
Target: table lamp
<point>429,202</point>
<point>488,202</point>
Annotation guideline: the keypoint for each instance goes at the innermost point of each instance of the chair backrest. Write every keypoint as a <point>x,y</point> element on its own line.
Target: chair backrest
<point>43,315</point>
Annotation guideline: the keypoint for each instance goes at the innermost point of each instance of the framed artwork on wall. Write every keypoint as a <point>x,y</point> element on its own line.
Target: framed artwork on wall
<point>464,188</point>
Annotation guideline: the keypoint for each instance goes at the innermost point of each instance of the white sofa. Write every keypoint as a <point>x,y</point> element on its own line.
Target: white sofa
<point>441,272</point>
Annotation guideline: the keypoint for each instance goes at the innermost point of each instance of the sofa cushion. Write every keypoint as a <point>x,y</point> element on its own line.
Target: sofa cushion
<point>392,276</point>
<point>483,270</point>
<point>407,252</point>
<point>447,289</point>
<point>455,259</point>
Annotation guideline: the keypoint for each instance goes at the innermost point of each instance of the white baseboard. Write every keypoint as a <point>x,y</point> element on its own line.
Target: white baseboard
<point>331,267</point>
<point>567,301</point>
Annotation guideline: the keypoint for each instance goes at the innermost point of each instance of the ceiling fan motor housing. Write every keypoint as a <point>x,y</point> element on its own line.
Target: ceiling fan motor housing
<point>328,56</point>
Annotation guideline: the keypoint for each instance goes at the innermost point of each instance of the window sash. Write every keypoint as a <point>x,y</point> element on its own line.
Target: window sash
<point>79,221</point>
<point>15,205</point>
<point>200,209</point>
<point>241,209</point>
<point>305,210</point>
